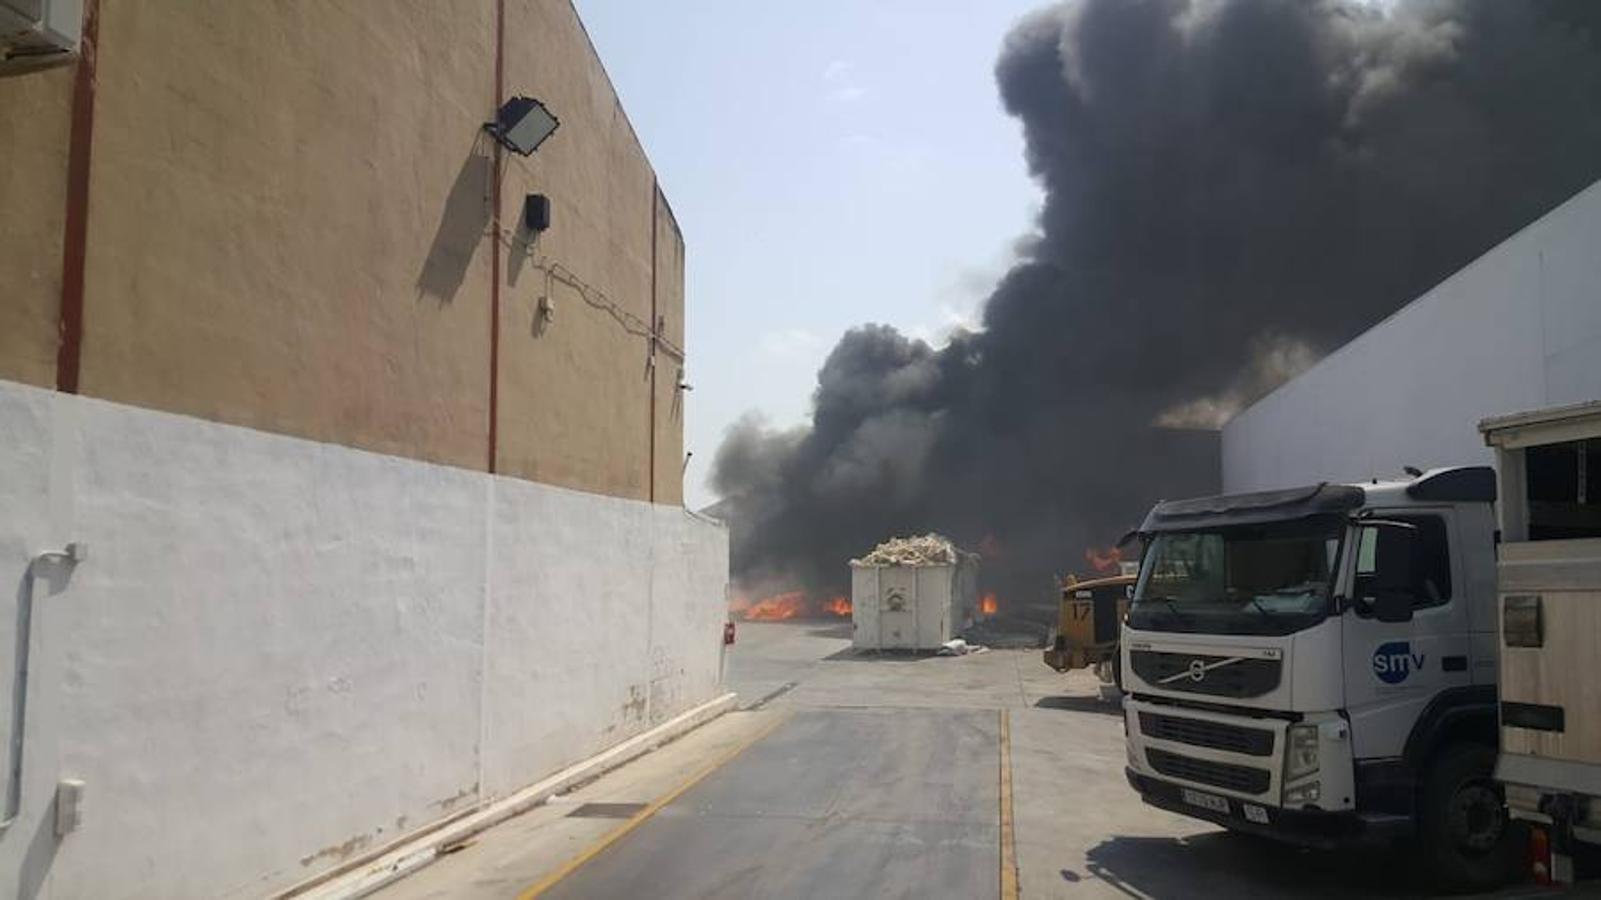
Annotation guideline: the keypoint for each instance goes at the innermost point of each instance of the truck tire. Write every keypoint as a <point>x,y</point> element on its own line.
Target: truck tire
<point>1468,841</point>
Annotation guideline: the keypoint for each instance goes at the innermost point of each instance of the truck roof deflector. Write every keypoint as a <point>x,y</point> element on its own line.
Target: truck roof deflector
<point>1460,484</point>
<point>1247,509</point>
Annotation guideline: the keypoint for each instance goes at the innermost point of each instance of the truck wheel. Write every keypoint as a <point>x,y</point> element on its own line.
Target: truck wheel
<point>1468,840</point>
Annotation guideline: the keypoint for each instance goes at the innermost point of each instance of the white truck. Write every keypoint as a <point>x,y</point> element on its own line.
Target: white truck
<point>1550,586</point>
<point>1317,665</point>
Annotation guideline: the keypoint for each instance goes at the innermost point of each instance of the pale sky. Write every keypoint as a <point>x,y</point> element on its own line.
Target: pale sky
<point>831,163</point>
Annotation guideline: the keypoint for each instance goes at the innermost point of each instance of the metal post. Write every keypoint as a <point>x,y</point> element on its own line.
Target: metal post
<point>73,554</point>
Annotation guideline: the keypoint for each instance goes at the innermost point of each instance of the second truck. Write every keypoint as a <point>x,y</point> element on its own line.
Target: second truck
<point>1550,585</point>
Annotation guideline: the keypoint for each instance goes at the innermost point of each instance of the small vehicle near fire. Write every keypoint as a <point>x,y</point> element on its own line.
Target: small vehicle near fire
<point>1088,617</point>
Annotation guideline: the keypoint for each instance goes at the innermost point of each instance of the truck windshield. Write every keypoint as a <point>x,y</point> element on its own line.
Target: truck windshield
<point>1249,579</point>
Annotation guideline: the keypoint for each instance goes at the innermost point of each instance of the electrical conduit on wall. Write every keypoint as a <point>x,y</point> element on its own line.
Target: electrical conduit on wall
<point>494,244</point>
<point>74,245</point>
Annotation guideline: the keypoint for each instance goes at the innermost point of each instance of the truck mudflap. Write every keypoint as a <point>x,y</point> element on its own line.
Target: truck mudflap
<point>1304,828</point>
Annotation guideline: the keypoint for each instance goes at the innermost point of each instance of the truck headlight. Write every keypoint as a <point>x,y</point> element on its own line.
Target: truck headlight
<point>1301,757</point>
<point>1303,794</point>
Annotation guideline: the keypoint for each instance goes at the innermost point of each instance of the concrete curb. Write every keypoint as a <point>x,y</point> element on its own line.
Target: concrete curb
<point>397,860</point>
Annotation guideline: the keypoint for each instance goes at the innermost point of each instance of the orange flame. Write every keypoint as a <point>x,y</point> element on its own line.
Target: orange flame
<point>776,608</point>
<point>1104,561</point>
<point>988,605</point>
<point>838,606</point>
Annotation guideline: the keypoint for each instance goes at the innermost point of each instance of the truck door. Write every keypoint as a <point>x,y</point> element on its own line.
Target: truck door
<point>1393,669</point>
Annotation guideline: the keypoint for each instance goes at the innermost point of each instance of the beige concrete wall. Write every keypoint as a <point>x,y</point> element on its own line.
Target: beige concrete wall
<point>286,218</point>
<point>290,229</point>
<point>35,108</point>
<point>576,391</point>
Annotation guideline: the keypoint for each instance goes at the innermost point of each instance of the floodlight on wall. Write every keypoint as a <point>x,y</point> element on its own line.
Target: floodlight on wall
<point>522,124</point>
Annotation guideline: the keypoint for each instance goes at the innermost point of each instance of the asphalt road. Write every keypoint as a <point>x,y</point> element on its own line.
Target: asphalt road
<point>846,776</point>
<point>834,803</point>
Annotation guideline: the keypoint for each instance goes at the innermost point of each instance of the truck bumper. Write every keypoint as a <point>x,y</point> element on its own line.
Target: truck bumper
<point>1303,828</point>
<point>1534,783</point>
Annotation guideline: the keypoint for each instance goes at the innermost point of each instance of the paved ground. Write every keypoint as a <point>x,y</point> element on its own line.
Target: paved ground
<point>836,803</point>
<point>848,776</point>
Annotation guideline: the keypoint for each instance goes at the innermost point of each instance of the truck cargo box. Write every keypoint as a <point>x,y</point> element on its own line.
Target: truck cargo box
<point>1549,579</point>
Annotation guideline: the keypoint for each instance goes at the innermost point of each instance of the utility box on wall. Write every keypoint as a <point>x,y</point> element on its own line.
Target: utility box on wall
<point>911,606</point>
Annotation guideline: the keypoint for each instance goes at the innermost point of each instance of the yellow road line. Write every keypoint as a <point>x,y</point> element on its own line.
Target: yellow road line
<point>1008,839</point>
<point>621,831</point>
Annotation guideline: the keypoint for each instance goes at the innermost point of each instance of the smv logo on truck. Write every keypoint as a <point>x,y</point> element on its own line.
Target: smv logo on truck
<point>1394,661</point>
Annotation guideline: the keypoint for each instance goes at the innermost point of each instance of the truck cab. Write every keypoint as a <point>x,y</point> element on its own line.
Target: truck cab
<point>1318,664</point>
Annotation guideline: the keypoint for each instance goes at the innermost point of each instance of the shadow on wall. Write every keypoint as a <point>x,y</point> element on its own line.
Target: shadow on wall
<point>522,249</point>
<point>40,854</point>
<point>461,227</point>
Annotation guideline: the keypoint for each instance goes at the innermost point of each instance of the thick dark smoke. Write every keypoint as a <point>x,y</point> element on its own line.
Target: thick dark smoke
<point>1231,189</point>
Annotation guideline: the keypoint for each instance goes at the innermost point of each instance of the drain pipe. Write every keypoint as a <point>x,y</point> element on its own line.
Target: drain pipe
<point>70,556</point>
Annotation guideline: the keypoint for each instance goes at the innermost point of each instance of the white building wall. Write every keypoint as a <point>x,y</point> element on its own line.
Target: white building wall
<point>1517,329</point>
<point>281,653</point>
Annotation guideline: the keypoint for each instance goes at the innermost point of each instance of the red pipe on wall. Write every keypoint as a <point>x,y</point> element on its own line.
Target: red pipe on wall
<point>75,234</point>
<point>494,244</point>
<point>655,199</point>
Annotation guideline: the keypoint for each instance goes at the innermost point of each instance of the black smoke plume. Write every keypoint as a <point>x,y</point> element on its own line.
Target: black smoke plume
<point>1231,189</point>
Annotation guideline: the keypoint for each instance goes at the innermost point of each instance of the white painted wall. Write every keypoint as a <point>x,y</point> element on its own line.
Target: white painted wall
<point>1519,328</point>
<point>281,653</point>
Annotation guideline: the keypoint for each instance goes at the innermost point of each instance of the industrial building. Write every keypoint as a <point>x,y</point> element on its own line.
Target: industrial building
<point>340,478</point>
<point>1517,329</point>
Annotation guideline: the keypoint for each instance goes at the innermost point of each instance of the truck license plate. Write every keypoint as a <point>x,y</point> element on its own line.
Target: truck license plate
<point>1206,801</point>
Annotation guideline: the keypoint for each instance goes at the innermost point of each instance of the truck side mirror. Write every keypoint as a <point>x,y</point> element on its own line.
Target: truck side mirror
<point>1384,584</point>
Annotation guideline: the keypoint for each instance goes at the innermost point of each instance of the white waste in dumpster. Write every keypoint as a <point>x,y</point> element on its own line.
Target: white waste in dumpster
<point>924,550</point>
<point>912,593</point>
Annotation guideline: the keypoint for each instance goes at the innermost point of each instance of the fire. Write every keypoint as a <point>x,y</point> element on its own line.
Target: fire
<point>1104,561</point>
<point>988,605</point>
<point>776,608</point>
<point>787,605</point>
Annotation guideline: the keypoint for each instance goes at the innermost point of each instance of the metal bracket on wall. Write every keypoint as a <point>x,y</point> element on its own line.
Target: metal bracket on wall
<point>68,557</point>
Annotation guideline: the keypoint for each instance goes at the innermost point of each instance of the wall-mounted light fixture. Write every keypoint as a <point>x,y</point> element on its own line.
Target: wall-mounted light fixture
<point>522,124</point>
<point>536,212</point>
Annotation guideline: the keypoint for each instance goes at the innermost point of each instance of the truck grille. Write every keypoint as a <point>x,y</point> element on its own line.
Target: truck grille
<point>1203,733</point>
<point>1173,672</point>
<point>1244,779</point>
